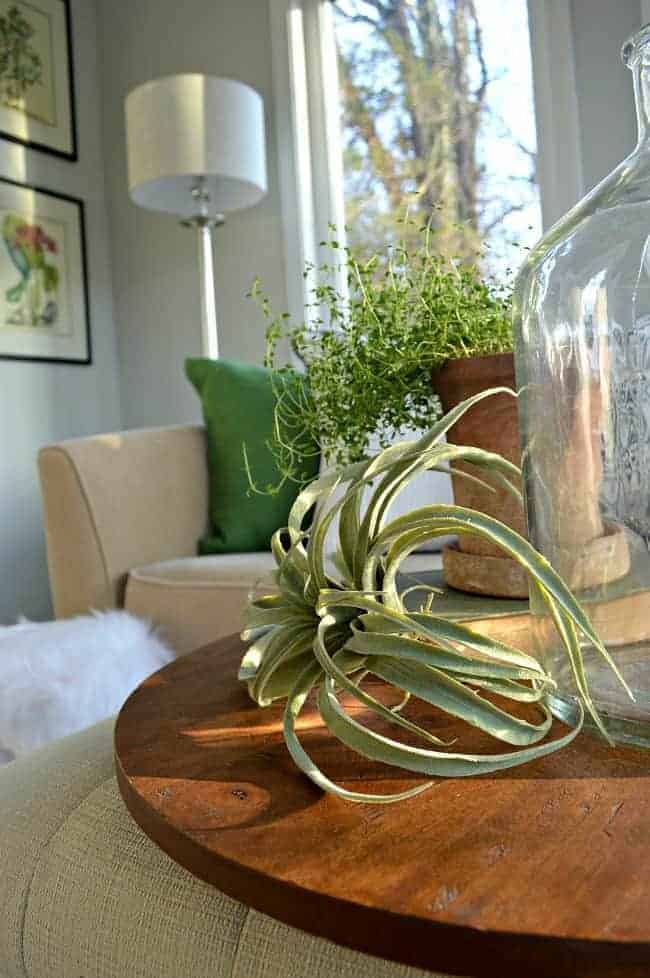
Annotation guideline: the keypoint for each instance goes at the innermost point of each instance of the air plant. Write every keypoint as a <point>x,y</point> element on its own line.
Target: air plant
<point>326,630</point>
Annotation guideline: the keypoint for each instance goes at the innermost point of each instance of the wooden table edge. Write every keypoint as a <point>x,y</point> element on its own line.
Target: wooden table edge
<point>459,950</point>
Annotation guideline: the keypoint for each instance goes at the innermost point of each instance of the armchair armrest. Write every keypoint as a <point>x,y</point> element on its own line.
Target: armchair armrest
<point>113,502</point>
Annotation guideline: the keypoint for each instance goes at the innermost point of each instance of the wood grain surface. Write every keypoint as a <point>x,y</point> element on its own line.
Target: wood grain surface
<point>539,871</point>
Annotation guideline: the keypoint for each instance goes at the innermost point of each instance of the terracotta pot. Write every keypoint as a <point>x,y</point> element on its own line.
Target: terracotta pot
<point>491,425</point>
<point>593,554</point>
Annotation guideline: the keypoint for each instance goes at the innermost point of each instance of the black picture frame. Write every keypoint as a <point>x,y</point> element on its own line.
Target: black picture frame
<point>79,204</point>
<point>71,155</point>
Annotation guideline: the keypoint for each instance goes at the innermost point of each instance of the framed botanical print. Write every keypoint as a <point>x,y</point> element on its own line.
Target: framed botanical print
<point>36,83</point>
<point>43,282</point>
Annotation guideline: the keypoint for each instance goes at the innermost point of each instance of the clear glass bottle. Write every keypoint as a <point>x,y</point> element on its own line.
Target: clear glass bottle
<point>582,350</point>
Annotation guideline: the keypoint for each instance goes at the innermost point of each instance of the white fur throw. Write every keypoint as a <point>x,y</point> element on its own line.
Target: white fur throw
<point>63,676</point>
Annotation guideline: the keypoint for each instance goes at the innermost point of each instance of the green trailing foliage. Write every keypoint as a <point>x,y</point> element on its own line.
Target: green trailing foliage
<point>369,353</point>
<point>325,630</point>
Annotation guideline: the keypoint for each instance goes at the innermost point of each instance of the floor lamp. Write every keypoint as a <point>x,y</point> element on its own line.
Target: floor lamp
<point>195,148</point>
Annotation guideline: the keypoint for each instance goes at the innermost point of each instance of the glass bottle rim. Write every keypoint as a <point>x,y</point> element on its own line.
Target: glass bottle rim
<point>635,47</point>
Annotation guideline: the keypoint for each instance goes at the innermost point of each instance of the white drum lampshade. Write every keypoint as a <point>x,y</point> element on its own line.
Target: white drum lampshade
<point>196,148</point>
<point>188,126</point>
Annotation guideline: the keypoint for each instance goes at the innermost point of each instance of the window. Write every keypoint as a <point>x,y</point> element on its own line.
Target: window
<point>429,105</point>
<point>438,116</point>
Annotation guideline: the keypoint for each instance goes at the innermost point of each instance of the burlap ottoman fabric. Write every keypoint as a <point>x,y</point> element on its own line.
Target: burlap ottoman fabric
<point>85,894</point>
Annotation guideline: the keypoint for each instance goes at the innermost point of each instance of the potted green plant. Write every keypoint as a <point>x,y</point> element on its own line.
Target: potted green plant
<point>416,333</point>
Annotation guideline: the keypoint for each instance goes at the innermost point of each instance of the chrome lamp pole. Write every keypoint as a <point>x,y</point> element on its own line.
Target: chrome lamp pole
<point>204,225</point>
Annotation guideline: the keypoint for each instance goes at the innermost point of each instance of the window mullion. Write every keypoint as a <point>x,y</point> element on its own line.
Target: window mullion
<point>325,132</point>
<point>293,126</point>
<point>559,162</point>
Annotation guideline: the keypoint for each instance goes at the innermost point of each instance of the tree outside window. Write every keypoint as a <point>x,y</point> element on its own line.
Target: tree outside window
<point>438,118</point>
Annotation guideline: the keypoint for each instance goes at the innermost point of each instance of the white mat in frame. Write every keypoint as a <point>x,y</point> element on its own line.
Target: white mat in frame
<point>43,276</point>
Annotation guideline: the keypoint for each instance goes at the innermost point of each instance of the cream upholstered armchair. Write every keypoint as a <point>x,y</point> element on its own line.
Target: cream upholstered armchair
<point>123,513</point>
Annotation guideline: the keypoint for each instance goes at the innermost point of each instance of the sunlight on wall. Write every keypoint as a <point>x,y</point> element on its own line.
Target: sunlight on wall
<point>13,161</point>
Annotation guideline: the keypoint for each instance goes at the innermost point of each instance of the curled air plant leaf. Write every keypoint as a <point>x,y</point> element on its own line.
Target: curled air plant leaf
<point>326,630</point>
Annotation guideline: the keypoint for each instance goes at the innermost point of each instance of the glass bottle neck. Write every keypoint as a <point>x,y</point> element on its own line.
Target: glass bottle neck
<point>642,101</point>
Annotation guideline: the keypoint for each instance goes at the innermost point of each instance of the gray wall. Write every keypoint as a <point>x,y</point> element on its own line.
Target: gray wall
<point>155,270</point>
<point>607,121</point>
<point>45,402</point>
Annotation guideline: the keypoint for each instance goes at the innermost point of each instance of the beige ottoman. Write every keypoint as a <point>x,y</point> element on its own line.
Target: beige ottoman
<point>85,894</point>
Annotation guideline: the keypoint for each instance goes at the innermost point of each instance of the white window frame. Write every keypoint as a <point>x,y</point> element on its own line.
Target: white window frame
<point>309,140</point>
<point>559,153</point>
<point>309,136</point>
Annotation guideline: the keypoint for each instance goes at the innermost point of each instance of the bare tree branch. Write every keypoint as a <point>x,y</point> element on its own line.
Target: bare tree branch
<point>505,212</point>
<point>363,120</point>
<point>362,19</point>
<point>416,115</point>
<point>479,94</point>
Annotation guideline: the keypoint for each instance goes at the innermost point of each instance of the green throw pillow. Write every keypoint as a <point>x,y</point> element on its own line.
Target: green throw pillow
<point>238,409</point>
